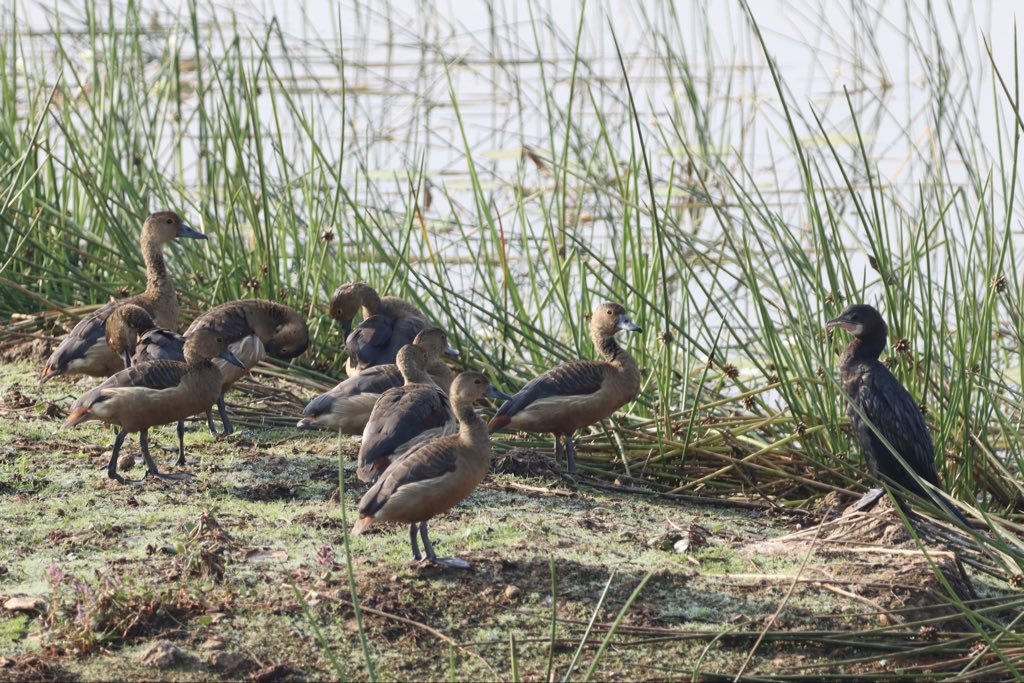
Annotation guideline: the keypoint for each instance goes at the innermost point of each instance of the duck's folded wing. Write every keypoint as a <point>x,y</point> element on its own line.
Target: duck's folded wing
<point>399,417</point>
<point>367,343</point>
<point>432,460</point>
<point>375,380</point>
<point>89,332</point>
<point>159,344</point>
<point>575,378</point>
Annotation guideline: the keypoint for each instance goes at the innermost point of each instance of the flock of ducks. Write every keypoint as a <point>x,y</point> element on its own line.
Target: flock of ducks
<point>424,448</point>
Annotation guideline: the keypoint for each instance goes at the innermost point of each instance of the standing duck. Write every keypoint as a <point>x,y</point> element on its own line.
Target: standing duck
<point>126,327</point>
<point>404,416</point>
<point>348,405</point>
<point>436,475</point>
<point>84,350</point>
<point>389,323</point>
<point>156,393</point>
<point>874,393</point>
<point>254,328</point>
<point>578,393</point>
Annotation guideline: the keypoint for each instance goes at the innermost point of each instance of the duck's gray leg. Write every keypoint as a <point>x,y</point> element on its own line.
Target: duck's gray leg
<point>452,562</point>
<point>151,468</point>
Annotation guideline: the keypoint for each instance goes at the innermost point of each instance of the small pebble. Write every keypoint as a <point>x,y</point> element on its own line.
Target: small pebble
<point>511,592</point>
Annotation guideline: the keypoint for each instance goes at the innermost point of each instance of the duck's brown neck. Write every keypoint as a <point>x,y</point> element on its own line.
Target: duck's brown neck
<point>471,428</point>
<point>371,302</point>
<point>613,353</point>
<point>196,361</point>
<point>414,374</point>
<point>158,281</point>
<point>392,306</point>
<point>282,330</point>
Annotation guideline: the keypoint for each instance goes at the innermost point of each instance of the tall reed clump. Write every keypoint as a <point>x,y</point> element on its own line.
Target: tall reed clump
<point>730,216</point>
<point>289,154</point>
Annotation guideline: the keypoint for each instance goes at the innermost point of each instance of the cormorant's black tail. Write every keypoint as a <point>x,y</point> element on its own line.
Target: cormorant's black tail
<point>948,504</point>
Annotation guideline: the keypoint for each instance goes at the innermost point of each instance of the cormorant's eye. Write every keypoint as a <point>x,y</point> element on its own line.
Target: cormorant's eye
<point>853,317</point>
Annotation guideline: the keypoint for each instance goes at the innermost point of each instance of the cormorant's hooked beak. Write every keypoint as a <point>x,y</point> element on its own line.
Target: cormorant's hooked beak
<point>232,358</point>
<point>451,351</point>
<point>843,323</point>
<point>628,325</point>
<point>494,393</point>
<point>191,233</point>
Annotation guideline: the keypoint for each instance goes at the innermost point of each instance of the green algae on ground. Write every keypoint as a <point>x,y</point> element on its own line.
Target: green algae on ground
<point>214,566</point>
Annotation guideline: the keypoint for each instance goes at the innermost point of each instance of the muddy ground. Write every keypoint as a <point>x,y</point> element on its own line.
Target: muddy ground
<point>242,572</point>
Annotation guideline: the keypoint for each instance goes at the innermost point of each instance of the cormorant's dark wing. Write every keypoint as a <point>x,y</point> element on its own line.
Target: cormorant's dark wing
<point>399,416</point>
<point>895,414</point>
<point>431,460</point>
<point>575,378</point>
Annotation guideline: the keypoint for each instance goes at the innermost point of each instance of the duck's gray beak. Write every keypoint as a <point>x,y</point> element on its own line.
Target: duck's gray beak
<point>451,351</point>
<point>494,393</point>
<point>191,233</point>
<point>232,358</point>
<point>628,325</point>
<point>346,327</point>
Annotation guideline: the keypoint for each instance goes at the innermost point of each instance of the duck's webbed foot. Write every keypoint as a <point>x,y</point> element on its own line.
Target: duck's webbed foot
<point>451,562</point>
<point>151,469</point>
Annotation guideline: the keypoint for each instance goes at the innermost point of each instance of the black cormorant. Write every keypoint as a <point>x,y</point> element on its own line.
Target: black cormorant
<point>880,397</point>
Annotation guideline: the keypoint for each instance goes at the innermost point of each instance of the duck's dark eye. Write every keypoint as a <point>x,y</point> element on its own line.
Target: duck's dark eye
<point>169,221</point>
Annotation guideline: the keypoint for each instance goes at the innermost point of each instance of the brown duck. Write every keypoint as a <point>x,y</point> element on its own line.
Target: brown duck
<point>404,416</point>
<point>348,405</point>
<point>254,329</point>
<point>84,350</point>
<point>156,393</point>
<point>389,323</point>
<point>578,393</point>
<point>125,327</point>
<point>437,475</point>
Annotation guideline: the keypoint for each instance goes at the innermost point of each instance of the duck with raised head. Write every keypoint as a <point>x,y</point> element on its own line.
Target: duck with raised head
<point>875,396</point>
<point>404,416</point>
<point>156,393</point>
<point>436,475</point>
<point>84,350</point>
<point>348,405</point>
<point>389,323</point>
<point>579,393</point>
